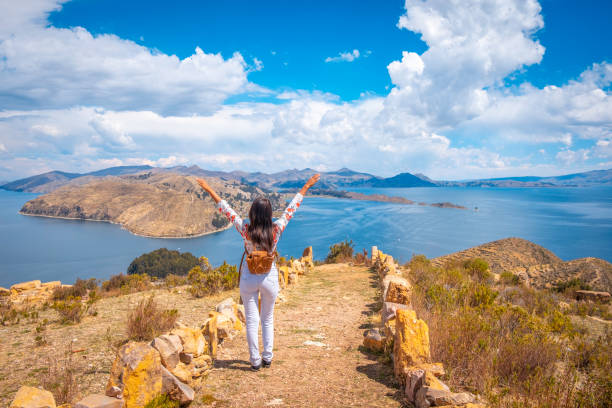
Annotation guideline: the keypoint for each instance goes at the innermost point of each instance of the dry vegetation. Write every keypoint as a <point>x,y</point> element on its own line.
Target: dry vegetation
<point>515,345</point>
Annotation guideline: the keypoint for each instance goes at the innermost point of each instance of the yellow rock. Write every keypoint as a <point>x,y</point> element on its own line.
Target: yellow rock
<point>4,291</point>
<point>136,374</point>
<point>398,293</point>
<point>30,397</point>
<point>307,258</point>
<point>193,340</point>
<point>211,329</point>
<point>20,287</point>
<point>284,270</point>
<point>52,284</point>
<point>374,254</point>
<point>411,344</point>
<point>374,341</point>
<point>183,372</point>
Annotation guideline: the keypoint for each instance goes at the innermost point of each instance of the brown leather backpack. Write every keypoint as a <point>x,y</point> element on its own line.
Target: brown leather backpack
<point>259,262</point>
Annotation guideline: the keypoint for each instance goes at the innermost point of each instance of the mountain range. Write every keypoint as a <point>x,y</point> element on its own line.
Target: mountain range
<point>294,178</point>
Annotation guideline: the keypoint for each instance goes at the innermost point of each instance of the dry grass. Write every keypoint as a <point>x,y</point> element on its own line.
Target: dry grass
<point>148,320</point>
<point>512,344</point>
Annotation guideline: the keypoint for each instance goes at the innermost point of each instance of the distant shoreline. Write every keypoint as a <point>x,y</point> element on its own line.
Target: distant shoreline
<point>228,226</point>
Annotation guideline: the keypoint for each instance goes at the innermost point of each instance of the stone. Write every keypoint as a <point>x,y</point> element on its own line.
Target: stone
<point>293,278</point>
<point>225,326</point>
<point>186,358</point>
<point>398,293</point>
<point>175,388</point>
<point>423,375</point>
<point>593,296</point>
<point>389,329</point>
<point>240,313</point>
<point>307,257</point>
<point>201,365</point>
<point>137,373</point>
<point>284,270</point>
<point>411,343</point>
<point>192,339</point>
<point>374,253</point>
<point>169,347</point>
<point>225,304</point>
<point>31,397</point>
<point>5,291</point>
<point>51,285</point>
<point>374,341</point>
<point>297,267</point>
<point>211,329</point>
<point>99,401</point>
<point>29,285</point>
<point>183,372</point>
<point>392,278</point>
<point>427,397</point>
<point>389,267</point>
<point>389,309</point>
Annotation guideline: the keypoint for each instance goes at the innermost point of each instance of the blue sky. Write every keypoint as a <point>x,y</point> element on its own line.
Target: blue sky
<point>452,89</point>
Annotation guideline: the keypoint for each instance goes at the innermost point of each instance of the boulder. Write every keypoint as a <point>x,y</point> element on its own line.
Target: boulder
<point>51,285</point>
<point>29,285</point>
<point>99,401</point>
<point>593,296</point>
<point>392,278</point>
<point>5,291</point>
<point>389,309</point>
<point>201,365</point>
<point>211,329</point>
<point>307,257</point>
<point>169,347</point>
<point>411,343</point>
<point>225,326</point>
<point>192,339</point>
<point>175,388</point>
<point>423,375</point>
<point>293,278</point>
<point>428,396</point>
<point>226,304</point>
<point>373,340</point>
<point>136,374</point>
<point>183,372</point>
<point>284,271</point>
<point>297,267</point>
<point>31,397</point>
<point>398,292</point>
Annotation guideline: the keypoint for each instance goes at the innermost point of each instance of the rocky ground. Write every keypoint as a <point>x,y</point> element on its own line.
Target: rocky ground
<point>319,360</point>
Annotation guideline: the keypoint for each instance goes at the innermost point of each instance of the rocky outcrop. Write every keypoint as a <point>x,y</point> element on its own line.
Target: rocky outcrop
<point>99,401</point>
<point>30,294</point>
<point>593,296</point>
<point>535,265</point>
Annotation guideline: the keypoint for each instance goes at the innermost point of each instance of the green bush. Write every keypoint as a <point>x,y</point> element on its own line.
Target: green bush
<point>206,280</point>
<point>71,309</point>
<point>509,278</point>
<point>477,267</point>
<point>127,283</point>
<point>340,252</point>
<point>162,262</point>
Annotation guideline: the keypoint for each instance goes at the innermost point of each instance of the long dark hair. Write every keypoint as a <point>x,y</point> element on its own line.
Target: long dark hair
<point>261,230</point>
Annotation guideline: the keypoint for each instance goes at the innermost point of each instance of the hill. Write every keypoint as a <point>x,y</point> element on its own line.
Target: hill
<point>152,204</point>
<point>536,265</point>
<point>589,178</point>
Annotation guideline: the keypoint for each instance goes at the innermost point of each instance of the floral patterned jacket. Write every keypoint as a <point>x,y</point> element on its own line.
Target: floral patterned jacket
<point>242,226</point>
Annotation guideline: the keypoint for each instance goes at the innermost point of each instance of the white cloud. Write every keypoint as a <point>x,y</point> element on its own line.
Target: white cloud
<point>348,56</point>
<point>47,67</point>
<point>79,102</point>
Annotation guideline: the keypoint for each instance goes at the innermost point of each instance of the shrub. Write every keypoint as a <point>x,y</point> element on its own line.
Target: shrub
<point>148,320</point>
<point>127,283</point>
<point>219,221</point>
<point>509,278</point>
<point>8,313</point>
<point>71,309</point>
<point>79,289</point>
<point>340,252</point>
<point>173,281</point>
<point>477,267</point>
<point>571,286</point>
<point>162,262</point>
<point>206,280</point>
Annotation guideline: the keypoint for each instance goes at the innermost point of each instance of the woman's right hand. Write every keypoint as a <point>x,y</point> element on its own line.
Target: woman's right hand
<point>311,182</point>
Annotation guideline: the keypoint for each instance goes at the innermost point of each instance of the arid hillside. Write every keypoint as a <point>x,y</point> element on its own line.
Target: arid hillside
<point>147,203</point>
<point>534,264</point>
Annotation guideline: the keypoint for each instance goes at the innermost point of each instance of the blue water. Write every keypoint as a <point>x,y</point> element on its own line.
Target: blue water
<point>571,222</point>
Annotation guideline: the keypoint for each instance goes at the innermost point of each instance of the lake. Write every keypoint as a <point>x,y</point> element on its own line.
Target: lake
<point>571,222</point>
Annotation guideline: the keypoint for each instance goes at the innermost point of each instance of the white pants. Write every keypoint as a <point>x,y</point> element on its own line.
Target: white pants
<point>251,286</point>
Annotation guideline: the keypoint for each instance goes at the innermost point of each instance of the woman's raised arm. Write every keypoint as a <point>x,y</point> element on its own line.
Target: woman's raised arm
<point>224,208</point>
<point>295,203</point>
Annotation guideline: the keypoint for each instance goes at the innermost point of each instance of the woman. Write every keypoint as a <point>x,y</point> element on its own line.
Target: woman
<point>260,234</point>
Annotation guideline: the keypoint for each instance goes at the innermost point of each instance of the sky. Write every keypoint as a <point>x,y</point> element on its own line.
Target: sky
<point>454,89</point>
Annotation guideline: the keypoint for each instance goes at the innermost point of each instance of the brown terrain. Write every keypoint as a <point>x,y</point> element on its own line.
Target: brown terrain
<point>318,357</point>
<point>151,204</point>
<point>536,265</point>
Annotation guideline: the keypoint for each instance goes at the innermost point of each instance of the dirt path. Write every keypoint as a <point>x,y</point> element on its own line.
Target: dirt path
<point>330,305</point>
